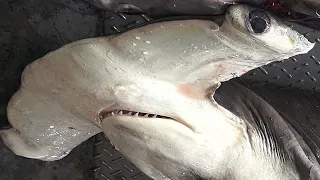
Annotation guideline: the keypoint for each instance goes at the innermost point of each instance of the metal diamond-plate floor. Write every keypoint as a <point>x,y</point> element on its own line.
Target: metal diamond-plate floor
<point>110,164</point>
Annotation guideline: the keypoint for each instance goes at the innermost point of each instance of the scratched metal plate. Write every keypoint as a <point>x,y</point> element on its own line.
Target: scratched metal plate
<point>299,72</point>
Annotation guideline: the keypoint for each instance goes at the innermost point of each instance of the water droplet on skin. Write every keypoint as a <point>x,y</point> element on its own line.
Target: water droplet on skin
<point>141,59</point>
<point>161,26</point>
<point>178,39</point>
<point>174,5</point>
<point>145,52</point>
<point>148,42</point>
<point>138,37</point>
<point>51,127</point>
<point>134,44</point>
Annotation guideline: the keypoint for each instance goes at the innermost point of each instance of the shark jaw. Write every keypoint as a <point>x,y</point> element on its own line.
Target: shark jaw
<point>164,146</point>
<point>105,114</point>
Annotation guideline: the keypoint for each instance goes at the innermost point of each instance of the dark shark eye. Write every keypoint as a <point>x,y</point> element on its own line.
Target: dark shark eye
<point>258,21</point>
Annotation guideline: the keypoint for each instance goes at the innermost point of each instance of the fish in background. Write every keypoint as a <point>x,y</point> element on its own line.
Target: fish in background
<point>305,12</point>
<point>151,91</point>
<point>161,8</point>
<point>307,7</point>
<point>203,7</point>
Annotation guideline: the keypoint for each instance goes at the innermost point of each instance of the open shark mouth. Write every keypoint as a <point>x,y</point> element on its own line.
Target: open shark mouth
<point>105,114</point>
<point>117,112</point>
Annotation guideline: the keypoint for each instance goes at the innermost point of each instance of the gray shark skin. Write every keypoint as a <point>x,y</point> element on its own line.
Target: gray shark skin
<point>151,91</point>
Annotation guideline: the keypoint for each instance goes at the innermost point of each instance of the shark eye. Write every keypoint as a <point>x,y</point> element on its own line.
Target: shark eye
<point>258,21</point>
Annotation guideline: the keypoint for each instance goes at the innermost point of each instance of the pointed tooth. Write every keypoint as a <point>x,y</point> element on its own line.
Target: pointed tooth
<point>120,112</point>
<point>112,113</point>
<point>136,114</point>
<point>154,116</point>
<point>146,115</point>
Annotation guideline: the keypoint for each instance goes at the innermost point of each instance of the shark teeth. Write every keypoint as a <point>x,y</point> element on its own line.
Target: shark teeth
<point>105,114</point>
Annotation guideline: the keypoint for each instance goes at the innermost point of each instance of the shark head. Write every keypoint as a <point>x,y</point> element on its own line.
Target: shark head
<point>165,119</point>
<point>150,90</point>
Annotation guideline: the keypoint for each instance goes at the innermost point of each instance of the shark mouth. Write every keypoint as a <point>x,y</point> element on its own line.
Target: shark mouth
<point>105,114</point>
<point>117,112</point>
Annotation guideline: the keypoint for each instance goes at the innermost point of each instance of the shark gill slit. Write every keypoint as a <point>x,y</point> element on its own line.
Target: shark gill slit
<point>271,145</point>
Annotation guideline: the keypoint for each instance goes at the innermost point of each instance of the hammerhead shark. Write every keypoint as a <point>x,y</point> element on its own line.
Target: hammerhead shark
<point>151,91</point>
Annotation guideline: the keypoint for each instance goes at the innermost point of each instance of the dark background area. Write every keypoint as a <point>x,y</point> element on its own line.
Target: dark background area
<point>29,29</point>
